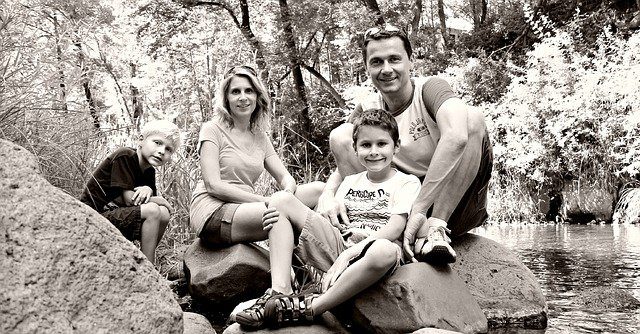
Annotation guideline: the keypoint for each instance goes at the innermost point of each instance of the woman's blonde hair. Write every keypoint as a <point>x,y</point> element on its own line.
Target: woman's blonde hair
<point>260,116</point>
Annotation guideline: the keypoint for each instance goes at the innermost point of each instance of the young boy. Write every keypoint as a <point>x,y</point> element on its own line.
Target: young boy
<point>355,254</point>
<point>123,187</point>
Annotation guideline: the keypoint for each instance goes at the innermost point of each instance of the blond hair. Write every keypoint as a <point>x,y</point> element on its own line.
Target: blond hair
<point>162,127</point>
<point>260,116</point>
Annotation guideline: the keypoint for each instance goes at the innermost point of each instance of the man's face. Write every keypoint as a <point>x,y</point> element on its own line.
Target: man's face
<point>388,64</point>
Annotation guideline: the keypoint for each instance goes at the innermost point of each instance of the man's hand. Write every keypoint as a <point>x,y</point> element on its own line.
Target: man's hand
<point>414,235</point>
<point>141,195</point>
<point>270,217</point>
<point>330,208</point>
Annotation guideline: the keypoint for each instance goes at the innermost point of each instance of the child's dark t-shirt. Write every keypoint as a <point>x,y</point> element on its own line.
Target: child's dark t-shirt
<point>118,172</point>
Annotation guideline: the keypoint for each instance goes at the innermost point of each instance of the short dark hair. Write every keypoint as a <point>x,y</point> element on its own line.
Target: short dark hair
<point>379,118</point>
<point>385,32</point>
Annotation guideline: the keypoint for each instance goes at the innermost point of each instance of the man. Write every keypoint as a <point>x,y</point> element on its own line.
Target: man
<point>443,142</point>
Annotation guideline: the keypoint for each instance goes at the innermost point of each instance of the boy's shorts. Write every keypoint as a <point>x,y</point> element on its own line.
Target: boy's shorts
<point>320,243</point>
<point>126,219</point>
<point>217,229</point>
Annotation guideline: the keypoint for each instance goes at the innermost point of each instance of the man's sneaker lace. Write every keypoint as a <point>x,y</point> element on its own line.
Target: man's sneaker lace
<point>437,249</point>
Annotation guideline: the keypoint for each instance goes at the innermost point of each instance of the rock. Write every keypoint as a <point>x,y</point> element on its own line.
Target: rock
<point>433,331</point>
<point>195,323</point>
<point>226,275</point>
<point>65,268</point>
<point>325,325</point>
<point>418,295</point>
<point>506,290</point>
<point>586,202</point>
<point>606,298</point>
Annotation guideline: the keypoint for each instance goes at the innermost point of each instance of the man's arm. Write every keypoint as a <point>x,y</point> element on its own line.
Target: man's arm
<point>442,186</point>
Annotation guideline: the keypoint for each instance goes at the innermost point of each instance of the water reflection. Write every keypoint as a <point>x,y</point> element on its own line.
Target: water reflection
<point>568,258</point>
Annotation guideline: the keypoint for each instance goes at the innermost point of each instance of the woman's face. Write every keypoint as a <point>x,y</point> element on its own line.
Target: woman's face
<point>242,97</point>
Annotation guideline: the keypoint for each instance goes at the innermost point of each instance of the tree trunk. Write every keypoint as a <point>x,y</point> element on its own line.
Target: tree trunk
<point>417,14</point>
<point>304,122</point>
<point>245,28</point>
<point>63,87</point>
<point>136,101</point>
<point>86,85</point>
<point>372,5</point>
<point>336,96</point>
<point>443,24</point>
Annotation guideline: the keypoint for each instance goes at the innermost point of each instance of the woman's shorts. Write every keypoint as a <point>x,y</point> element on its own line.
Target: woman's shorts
<point>217,229</point>
<point>320,243</point>
<point>127,220</point>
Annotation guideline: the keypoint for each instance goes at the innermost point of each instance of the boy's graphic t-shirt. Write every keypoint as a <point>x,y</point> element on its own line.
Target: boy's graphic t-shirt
<point>120,171</point>
<point>370,205</point>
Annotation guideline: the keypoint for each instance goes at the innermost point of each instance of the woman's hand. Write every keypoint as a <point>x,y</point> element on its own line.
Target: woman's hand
<point>269,217</point>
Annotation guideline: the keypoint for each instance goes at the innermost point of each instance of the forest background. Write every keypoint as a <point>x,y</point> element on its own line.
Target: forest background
<point>557,80</point>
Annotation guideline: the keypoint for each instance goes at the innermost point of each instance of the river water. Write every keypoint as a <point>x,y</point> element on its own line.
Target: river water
<point>567,258</point>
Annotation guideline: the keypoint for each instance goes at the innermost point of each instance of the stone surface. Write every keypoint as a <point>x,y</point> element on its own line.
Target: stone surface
<point>326,324</point>
<point>65,268</point>
<point>606,298</point>
<point>506,290</point>
<point>195,323</point>
<point>418,295</point>
<point>433,331</point>
<point>585,202</point>
<point>226,275</point>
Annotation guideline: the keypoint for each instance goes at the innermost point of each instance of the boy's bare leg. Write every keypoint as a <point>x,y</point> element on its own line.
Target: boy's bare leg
<point>293,214</point>
<point>379,258</point>
<point>152,229</point>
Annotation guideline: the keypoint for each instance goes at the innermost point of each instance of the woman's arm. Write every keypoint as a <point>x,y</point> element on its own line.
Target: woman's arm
<point>216,187</point>
<point>276,168</point>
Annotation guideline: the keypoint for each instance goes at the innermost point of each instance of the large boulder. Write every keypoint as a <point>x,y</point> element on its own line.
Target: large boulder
<point>65,268</point>
<point>507,291</point>
<point>195,323</point>
<point>228,275</point>
<point>415,296</point>
<point>326,324</point>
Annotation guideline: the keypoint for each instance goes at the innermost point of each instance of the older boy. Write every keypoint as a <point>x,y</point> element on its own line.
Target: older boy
<point>353,256</point>
<point>123,187</point>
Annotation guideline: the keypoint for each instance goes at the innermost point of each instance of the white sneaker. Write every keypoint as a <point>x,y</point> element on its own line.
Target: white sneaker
<point>437,249</point>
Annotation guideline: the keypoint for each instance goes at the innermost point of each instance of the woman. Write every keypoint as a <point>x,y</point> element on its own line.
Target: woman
<point>234,150</point>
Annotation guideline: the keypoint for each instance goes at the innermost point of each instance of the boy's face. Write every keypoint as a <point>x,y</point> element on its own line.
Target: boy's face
<point>375,148</point>
<point>155,150</point>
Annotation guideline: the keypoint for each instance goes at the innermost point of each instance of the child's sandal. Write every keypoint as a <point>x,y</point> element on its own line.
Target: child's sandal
<point>253,317</point>
<point>289,310</point>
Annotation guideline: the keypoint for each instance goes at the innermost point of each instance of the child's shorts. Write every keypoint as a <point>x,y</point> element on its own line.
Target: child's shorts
<point>126,219</point>
<point>217,229</point>
<point>320,243</point>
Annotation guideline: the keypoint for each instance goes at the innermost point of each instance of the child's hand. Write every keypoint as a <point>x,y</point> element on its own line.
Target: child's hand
<point>341,263</point>
<point>141,195</point>
<point>269,217</point>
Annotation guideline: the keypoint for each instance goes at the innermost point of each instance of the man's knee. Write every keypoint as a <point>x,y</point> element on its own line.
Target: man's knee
<point>341,140</point>
<point>383,254</point>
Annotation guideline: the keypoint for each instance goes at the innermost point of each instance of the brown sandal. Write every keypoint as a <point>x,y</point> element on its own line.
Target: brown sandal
<point>284,311</point>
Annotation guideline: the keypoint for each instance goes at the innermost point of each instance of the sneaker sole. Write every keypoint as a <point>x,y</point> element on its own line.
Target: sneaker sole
<point>439,255</point>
